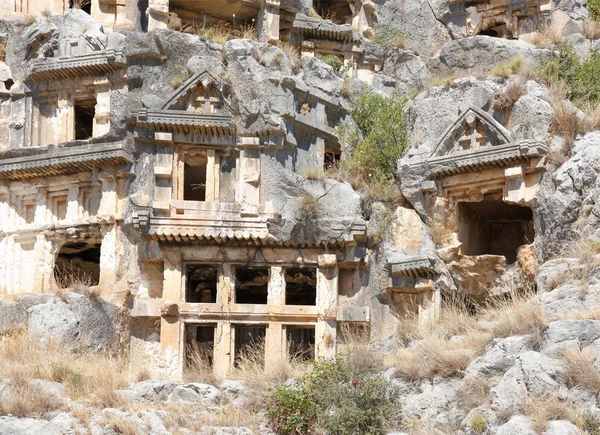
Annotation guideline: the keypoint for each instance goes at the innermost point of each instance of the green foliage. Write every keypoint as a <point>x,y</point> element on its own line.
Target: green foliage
<point>380,138</point>
<point>479,424</point>
<point>290,410</point>
<point>388,37</point>
<point>506,69</point>
<point>580,79</point>
<point>594,9</point>
<point>332,60</point>
<point>333,399</point>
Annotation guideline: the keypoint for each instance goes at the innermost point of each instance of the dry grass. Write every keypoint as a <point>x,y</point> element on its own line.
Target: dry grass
<point>592,111</point>
<point>591,29</point>
<point>541,410</point>
<point>88,377</point>
<point>2,51</point>
<point>567,122</point>
<point>308,206</point>
<point>25,399</point>
<point>544,37</point>
<point>292,53</point>
<point>581,370</point>
<point>198,367</point>
<point>447,347</point>
<point>474,392</point>
<point>508,68</point>
<point>513,91</point>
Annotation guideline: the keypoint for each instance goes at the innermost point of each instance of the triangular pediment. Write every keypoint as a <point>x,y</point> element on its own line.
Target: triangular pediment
<point>203,93</point>
<point>473,130</point>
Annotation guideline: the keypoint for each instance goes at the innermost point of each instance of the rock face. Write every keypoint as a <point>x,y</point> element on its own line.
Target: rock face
<point>78,321</point>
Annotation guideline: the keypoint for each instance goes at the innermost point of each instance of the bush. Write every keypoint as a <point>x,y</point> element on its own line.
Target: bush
<point>308,207</point>
<point>332,60</point>
<point>380,137</point>
<point>580,79</point>
<point>388,37</point>
<point>332,399</point>
<point>594,9</point>
<point>506,69</point>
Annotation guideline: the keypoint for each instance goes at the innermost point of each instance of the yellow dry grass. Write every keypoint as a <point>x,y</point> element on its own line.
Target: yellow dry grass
<point>543,409</point>
<point>581,370</point>
<point>25,399</point>
<point>448,347</point>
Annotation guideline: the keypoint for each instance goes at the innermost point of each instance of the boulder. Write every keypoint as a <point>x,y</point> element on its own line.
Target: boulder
<point>567,334</point>
<point>499,358</point>
<point>562,427</point>
<point>518,424</point>
<point>194,393</point>
<point>479,415</point>
<point>149,391</point>
<point>435,399</point>
<point>12,316</point>
<point>533,373</point>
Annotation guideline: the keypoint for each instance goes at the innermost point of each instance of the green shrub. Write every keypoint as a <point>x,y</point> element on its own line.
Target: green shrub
<point>333,399</point>
<point>479,424</point>
<point>388,37</point>
<point>380,138</point>
<point>332,60</point>
<point>290,410</point>
<point>594,9</point>
<point>580,79</point>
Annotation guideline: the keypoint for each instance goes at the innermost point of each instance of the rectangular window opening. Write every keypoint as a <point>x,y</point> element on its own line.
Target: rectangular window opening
<point>199,348</point>
<point>249,345</point>
<point>251,285</point>
<point>201,284</point>
<point>301,342</point>
<point>77,265</point>
<point>194,178</point>
<point>494,227</point>
<point>84,5</point>
<point>85,111</point>
<point>301,286</point>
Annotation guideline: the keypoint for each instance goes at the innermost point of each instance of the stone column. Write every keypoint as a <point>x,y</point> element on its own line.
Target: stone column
<point>102,109</point>
<point>108,201</point>
<point>42,213</point>
<point>108,257</point>
<point>275,346</point>
<point>158,14</point>
<point>44,265</point>
<point>171,339</point>
<point>173,276</point>
<point>327,295</point>
<point>429,302</point>
<point>212,176</point>
<point>64,123</point>
<point>268,30</point>
<point>223,352</point>
<point>73,203</point>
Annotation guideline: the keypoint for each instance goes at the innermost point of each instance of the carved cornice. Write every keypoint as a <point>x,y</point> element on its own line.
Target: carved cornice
<point>52,160</point>
<point>491,156</point>
<point>412,267</point>
<point>324,29</point>
<point>182,121</point>
<point>92,64</point>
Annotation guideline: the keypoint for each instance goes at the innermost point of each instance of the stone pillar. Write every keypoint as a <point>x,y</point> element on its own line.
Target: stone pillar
<point>108,257</point>
<point>108,201</point>
<point>170,346</point>
<point>327,295</point>
<point>212,176</point>
<point>42,213</point>
<point>102,109</point>
<point>515,184</point>
<point>275,346</point>
<point>269,22</point>
<point>44,265</point>
<point>173,276</point>
<point>223,352</point>
<point>64,123</point>
<point>73,203</point>
<point>158,14</point>
<point>430,300</point>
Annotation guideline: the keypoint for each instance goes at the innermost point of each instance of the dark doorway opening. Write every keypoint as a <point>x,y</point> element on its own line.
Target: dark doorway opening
<point>194,181</point>
<point>337,11</point>
<point>84,5</point>
<point>301,342</point>
<point>201,284</point>
<point>199,347</point>
<point>77,264</point>
<point>85,111</point>
<point>301,286</point>
<point>494,227</point>
<point>251,285</point>
<point>249,344</point>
